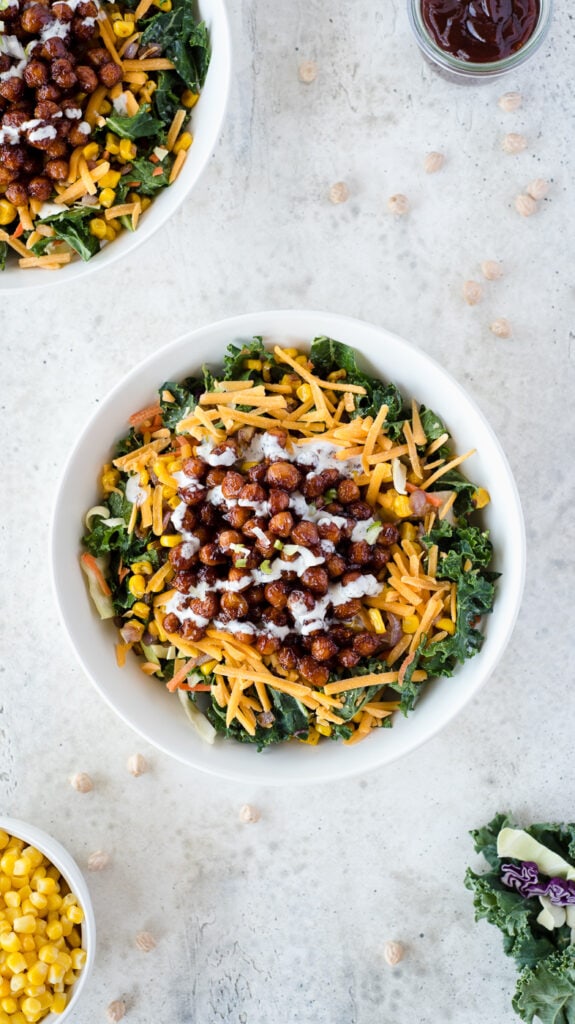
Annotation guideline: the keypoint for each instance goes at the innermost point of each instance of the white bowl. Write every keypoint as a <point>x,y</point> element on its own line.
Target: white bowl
<point>146,705</point>
<point>68,868</point>
<point>206,122</point>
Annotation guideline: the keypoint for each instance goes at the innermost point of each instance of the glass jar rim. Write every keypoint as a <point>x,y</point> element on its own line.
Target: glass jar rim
<point>476,69</point>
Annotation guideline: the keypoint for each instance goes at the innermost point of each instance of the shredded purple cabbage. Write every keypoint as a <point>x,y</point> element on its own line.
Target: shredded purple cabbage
<point>525,880</point>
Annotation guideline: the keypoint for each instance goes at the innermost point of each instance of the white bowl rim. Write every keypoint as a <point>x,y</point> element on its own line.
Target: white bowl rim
<point>273,321</point>
<point>67,866</point>
<point>11,280</point>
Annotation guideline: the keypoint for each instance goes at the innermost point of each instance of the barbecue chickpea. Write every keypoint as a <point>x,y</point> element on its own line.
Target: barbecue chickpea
<point>360,552</point>
<point>274,615</point>
<point>183,582</point>
<point>35,18</point>
<point>215,477</point>
<point>347,491</point>
<point>252,493</point>
<point>171,623</point>
<point>348,658</point>
<point>360,510</point>
<point>256,596</point>
<point>87,78</point>
<point>379,558</point>
<point>388,535</point>
<point>255,523</point>
<point>316,579</point>
<point>208,515</point>
<point>110,74</point>
<point>313,671</point>
<point>234,604</point>
<point>36,74</point>
<point>279,500</point>
<point>257,474</point>
<point>183,557</point>
<point>299,597</point>
<point>230,445</point>
<point>49,92</point>
<point>287,658</point>
<point>348,609</point>
<point>191,631</point>
<point>284,475</point>
<point>267,644</point>
<point>17,194</point>
<point>57,170</point>
<point>40,188</point>
<point>323,648</point>
<point>55,49</point>
<point>228,537</point>
<point>210,554</point>
<point>305,534</point>
<point>232,484</point>
<point>62,73</point>
<point>206,607</point>
<point>12,89</point>
<point>62,11</point>
<point>336,565</point>
<point>192,495</point>
<point>98,57</point>
<point>237,516</point>
<point>265,543</point>
<point>366,644</point>
<point>281,524</point>
<point>194,467</point>
<point>12,157</point>
<point>276,594</point>
<point>329,531</point>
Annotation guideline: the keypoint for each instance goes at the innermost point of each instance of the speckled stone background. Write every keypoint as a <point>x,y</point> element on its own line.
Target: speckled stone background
<point>285,920</point>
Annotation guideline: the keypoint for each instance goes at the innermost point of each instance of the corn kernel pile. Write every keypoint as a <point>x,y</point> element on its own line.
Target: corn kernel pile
<point>41,951</point>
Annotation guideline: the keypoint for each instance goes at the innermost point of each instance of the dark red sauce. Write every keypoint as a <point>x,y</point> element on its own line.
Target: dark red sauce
<point>480,30</point>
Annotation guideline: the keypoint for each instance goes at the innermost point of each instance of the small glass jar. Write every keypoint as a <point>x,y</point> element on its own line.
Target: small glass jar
<point>471,69</point>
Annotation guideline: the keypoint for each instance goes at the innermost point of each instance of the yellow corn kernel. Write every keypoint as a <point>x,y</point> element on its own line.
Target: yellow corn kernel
<point>303,392</point>
<point>54,901</point>
<point>105,107</point>
<point>48,953</point>
<point>312,738</point>
<point>4,839</point>
<point>30,1006</point>
<point>47,886</point>
<point>54,930</point>
<point>113,147</point>
<point>174,502</point>
<point>98,227</point>
<point>467,565</point>
<point>447,625</point>
<point>75,914</point>
<point>64,959</point>
<point>293,352</point>
<point>137,586</point>
<point>59,1002</point>
<point>208,667</point>
<point>324,729</point>
<point>480,498</point>
<point>91,151</point>
<point>107,197</point>
<point>28,943</point>
<point>66,929</point>
<point>10,942</point>
<point>17,983</point>
<point>37,973</point>
<point>110,180</point>
<point>410,623</point>
<point>38,900</point>
<point>246,466</point>
<point>146,202</point>
<point>109,479</point>
<point>302,360</point>
<point>407,531</point>
<point>127,150</point>
<point>12,898</point>
<point>4,987</point>
<point>170,540</point>
<point>140,610</point>
<point>69,977</point>
<point>183,143</point>
<point>142,568</point>
<point>189,98</point>
<point>25,924</point>
<point>35,856</point>
<point>376,620</point>
<point>123,29</point>
<point>74,939</point>
<point>23,866</point>
<point>8,212</point>
<point>78,958</point>
<point>56,973</point>
<point>153,629</point>
<point>110,233</point>
<point>9,1004</point>
<point>16,962</point>
<point>8,861</point>
<point>401,506</point>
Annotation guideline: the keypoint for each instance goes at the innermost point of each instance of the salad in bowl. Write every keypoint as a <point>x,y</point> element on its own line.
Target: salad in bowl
<point>288,549</point>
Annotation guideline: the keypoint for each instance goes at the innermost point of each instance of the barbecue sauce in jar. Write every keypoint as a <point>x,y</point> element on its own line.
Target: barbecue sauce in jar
<point>480,31</point>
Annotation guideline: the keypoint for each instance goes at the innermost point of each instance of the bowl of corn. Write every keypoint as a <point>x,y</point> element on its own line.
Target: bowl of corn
<point>142,701</point>
<point>47,927</point>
